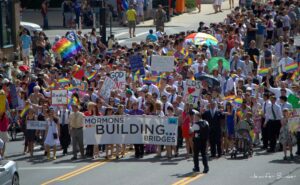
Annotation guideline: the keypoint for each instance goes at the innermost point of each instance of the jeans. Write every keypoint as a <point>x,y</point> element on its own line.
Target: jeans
<point>45,22</point>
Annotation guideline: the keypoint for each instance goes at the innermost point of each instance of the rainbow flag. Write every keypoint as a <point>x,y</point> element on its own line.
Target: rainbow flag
<point>64,80</point>
<point>73,101</point>
<point>230,97</point>
<point>291,67</point>
<point>152,79</point>
<point>92,76</point>
<point>279,76</point>
<point>24,111</point>
<point>295,75</point>
<point>68,46</point>
<point>263,71</point>
<point>238,101</point>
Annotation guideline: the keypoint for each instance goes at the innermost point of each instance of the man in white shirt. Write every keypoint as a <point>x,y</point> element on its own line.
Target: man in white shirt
<point>273,122</point>
<point>151,88</point>
<point>227,83</point>
<point>248,65</point>
<point>284,104</point>
<point>64,135</point>
<point>265,102</point>
<point>279,48</point>
<point>172,96</point>
<point>165,104</point>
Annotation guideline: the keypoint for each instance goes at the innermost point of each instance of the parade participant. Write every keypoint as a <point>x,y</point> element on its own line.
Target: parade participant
<point>170,148</point>
<point>213,117</point>
<point>76,120</point>
<point>200,128</point>
<point>272,122</point>
<point>186,124</point>
<point>285,136</point>
<point>30,134</point>
<point>52,133</point>
<point>159,19</point>
<point>139,148</point>
<point>64,135</point>
<point>131,18</point>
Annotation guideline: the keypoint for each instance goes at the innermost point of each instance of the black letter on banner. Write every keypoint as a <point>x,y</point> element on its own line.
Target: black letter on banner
<point>136,129</point>
<point>112,130</point>
<point>160,130</point>
<point>149,128</point>
<point>99,129</point>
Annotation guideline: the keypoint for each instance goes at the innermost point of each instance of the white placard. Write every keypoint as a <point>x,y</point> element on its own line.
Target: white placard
<point>36,125</point>
<point>107,87</point>
<point>130,130</point>
<point>120,79</point>
<point>162,63</point>
<point>192,91</point>
<point>59,97</point>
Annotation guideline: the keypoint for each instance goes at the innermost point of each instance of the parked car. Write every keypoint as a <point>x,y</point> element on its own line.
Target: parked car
<point>9,173</point>
<point>31,27</point>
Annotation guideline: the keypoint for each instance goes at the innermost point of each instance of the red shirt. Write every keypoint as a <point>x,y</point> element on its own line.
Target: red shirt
<point>4,122</point>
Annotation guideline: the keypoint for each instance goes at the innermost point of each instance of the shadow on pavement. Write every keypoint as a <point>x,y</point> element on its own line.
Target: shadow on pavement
<point>296,160</point>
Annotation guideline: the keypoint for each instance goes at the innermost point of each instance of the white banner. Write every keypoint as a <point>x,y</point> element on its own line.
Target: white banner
<point>59,97</point>
<point>162,63</point>
<point>192,91</point>
<point>130,130</point>
<point>36,125</point>
<point>107,87</point>
<point>120,79</point>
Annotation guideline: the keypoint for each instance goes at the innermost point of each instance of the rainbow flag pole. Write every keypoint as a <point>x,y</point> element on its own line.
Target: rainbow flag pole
<point>24,111</point>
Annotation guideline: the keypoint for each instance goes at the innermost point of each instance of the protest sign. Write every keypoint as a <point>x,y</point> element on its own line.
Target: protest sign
<point>2,103</point>
<point>130,130</point>
<point>192,91</point>
<point>136,63</point>
<point>13,95</point>
<point>120,79</point>
<point>294,124</point>
<point>36,125</point>
<point>107,87</point>
<point>59,97</point>
<point>162,63</point>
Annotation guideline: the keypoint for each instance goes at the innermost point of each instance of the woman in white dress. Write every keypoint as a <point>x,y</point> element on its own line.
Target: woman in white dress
<point>52,131</point>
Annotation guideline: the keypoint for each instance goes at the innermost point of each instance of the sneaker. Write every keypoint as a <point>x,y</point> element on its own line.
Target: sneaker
<point>285,158</point>
<point>205,170</point>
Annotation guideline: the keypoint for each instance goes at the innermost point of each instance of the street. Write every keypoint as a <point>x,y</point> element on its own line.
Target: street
<point>261,169</point>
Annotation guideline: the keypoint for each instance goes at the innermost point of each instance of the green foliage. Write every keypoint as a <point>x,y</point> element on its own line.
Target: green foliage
<point>190,4</point>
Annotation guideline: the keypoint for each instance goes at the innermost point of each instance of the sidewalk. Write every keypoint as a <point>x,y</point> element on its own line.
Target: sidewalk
<point>56,19</point>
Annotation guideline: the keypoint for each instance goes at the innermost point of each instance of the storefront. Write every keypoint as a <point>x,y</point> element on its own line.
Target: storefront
<point>8,25</point>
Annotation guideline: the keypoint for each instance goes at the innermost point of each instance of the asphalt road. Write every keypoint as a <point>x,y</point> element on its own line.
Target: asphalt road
<point>261,169</point>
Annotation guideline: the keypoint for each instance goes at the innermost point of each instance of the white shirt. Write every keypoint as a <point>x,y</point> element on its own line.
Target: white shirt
<point>173,99</point>
<point>283,62</point>
<point>277,112</point>
<point>279,49</point>
<point>67,114</point>
<point>152,89</point>
<point>286,105</point>
<point>142,102</point>
<point>277,92</point>
<point>229,85</point>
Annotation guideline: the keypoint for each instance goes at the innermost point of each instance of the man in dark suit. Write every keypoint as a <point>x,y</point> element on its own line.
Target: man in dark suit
<point>213,117</point>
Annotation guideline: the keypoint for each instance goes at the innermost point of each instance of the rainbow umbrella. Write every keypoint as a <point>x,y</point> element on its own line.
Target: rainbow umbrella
<point>201,38</point>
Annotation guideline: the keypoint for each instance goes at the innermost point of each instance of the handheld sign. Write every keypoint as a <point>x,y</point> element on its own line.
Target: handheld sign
<point>120,79</point>
<point>59,97</point>
<point>192,91</point>
<point>107,87</point>
<point>162,63</point>
<point>36,125</point>
<point>136,63</point>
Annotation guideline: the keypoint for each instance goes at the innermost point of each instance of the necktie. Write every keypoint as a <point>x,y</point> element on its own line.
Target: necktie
<point>280,50</point>
<point>143,104</point>
<point>225,84</point>
<point>273,112</point>
<point>63,118</point>
<point>265,107</point>
<point>172,97</point>
<point>164,108</point>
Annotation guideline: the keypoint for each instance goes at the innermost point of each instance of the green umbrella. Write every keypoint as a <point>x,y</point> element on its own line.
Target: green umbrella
<point>213,63</point>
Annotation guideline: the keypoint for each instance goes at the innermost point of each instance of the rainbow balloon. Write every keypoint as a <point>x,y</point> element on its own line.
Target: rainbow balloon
<point>68,46</point>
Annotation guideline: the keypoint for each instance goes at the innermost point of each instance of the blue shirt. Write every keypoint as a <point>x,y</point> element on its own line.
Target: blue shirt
<point>136,112</point>
<point>260,29</point>
<point>26,41</point>
<point>151,37</point>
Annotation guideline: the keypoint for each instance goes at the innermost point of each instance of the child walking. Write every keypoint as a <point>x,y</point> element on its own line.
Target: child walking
<point>285,136</point>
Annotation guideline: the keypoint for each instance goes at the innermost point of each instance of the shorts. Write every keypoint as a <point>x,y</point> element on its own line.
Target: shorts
<point>131,24</point>
<point>4,137</point>
<point>26,52</point>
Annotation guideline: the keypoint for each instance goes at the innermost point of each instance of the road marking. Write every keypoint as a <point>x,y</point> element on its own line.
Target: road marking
<point>188,179</point>
<point>70,173</point>
<point>137,35</point>
<point>119,34</point>
<point>80,170</point>
<point>47,168</point>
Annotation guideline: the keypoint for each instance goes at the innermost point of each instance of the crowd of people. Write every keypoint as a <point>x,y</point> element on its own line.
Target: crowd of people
<point>261,36</point>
